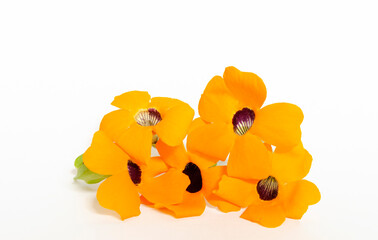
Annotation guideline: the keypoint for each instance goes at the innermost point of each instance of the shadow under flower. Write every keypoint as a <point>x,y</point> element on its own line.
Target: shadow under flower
<point>84,186</point>
<point>103,211</point>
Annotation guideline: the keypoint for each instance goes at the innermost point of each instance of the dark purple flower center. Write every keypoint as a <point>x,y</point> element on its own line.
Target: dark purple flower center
<point>243,120</point>
<point>267,188</point>
<point>134,172</point>
<point>195,177</point>
<point>149,117</point>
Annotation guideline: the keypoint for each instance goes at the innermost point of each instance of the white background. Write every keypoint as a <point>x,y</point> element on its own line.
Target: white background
<point>62,62</point>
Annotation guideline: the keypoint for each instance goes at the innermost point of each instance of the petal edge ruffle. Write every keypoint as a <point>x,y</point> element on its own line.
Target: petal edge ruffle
<point>245,86</point>
<point>132,101</point>
<point>119,193</point>
<point>279,124</point>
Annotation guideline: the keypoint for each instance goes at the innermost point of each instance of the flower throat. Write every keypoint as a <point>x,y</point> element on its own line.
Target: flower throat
<point>243,120</point>
<point>134,172</point>
<point>195,177</point>
<point>267,188</point>
<point>149,117</point>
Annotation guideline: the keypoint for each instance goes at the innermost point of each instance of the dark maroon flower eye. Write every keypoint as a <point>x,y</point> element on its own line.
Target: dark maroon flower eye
<point>194,174</point>
<point>149,117</point>
<point>134,172</point>
<point>267,188</point>
<point>243,120</point>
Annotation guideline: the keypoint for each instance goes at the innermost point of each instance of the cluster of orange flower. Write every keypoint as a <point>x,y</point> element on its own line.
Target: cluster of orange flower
<point>264,161</point>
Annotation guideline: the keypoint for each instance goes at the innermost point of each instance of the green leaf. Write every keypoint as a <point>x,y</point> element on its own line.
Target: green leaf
<point>213,165</point>
<point>83,173</point>
<point>79,161</point>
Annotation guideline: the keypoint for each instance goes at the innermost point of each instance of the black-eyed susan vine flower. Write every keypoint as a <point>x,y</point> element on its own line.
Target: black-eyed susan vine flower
<point>141,121</point>
<point>282,193</point>
<point>130,176</point>
<point>233,125</point>
<point>203,175</point>
<point>231,108</point>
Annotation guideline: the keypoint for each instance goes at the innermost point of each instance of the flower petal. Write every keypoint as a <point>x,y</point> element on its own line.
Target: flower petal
<point>279,124</point>
<point>166,189</point>
<point>174,125</point>
<point>176,157</point>
<point>222,204</point>
<point>292,165</point>
<point>163,104</point>
<point>217,103</point>
<point>249,158</point>
<point>144,201</point>
<point>202,161</point>
<point>115,123</point>
<point>132,101</point>
<point>154,167</point>
<point>235,191</point>
<point>214,140</point>
<point>245,86</point>
<point>104,157</point>
<point>118,193</point>
<point>193,205</point>
<point>211,177</point>
<point>269,147</point>
<point>137,142</point>
<point>267,215</point>
<point>297,196</point>
<point>196,123</point>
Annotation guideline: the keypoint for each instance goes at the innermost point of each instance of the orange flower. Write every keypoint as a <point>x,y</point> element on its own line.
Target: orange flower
<point>282,194</point>
<point>204,178</point>
<point>235,123</point>
<point>130,176</point>
<point>140,121</point>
